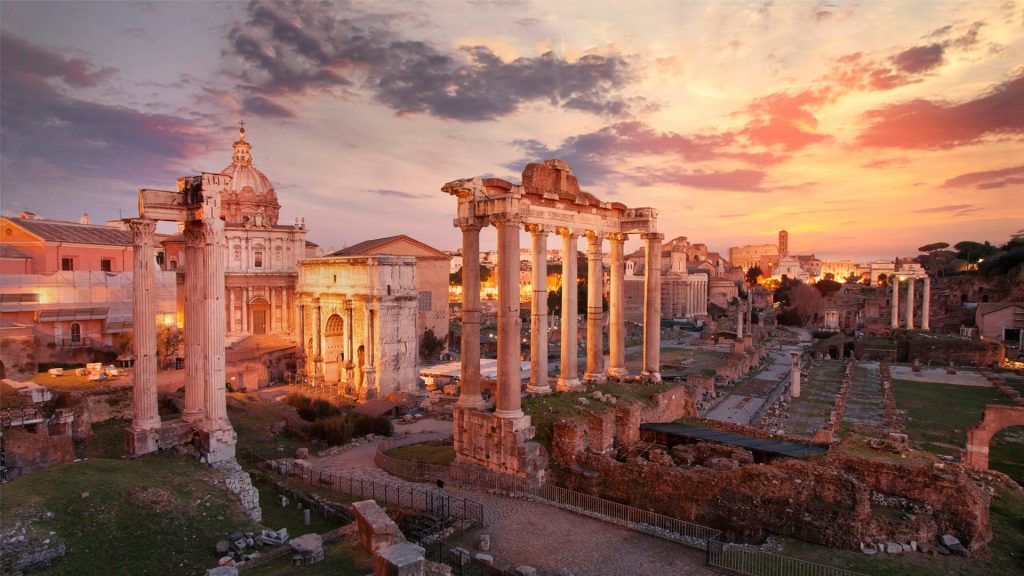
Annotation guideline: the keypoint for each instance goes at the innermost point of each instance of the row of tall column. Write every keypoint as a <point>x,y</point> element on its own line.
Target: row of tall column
<point>697,297</point>
<point>508,402</point>
<point>205,404</point>
<point>925,304</point>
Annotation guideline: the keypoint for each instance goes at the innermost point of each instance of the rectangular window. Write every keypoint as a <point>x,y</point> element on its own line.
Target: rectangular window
<point>425,301</point>
<point>257,259</point>
<point>105,264</point>
<point>67,264</point>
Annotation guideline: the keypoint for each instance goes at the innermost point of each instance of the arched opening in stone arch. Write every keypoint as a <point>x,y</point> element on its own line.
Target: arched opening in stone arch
<point>987,441</point>
<point>334,355</point>
<point>1006,452</point>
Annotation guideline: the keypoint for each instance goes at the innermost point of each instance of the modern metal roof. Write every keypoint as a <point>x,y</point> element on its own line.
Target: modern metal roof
<point>776,447</point>
<point>61,314</point>
<point>8,251</point>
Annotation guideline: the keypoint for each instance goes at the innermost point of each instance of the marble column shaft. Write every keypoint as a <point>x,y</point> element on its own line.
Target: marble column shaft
<point>616,307</point>
<point>568,379</point>
<point>212,323</point>
<point>652,306</point>
<point>145,415</point>
<point>195,308</point>
<point>469,396</point>
<point>895,306</point>
<point>539,313</point>
<point>910,303</point>
<point>301,329</point>
<point>508,399</point>
<point>318,360</point>
<point>794,375</point>
<point>739,319</point>
<point>926,303</point>
<point>595,309</point>
<point>349,342</point>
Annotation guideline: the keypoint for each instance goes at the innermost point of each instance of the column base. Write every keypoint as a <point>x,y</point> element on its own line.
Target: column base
<point>568,385</point>
<point>598,378</point>
<point>509,413</point>
<point>218,445</point>
<point>472,403</point>
<point>141,442</point>
<point>651,376</point>
<point>193,417</point>
<point>531,389</point>
<point>618,373</point>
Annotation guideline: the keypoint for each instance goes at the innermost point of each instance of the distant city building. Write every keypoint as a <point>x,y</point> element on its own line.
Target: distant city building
<point>71,282</point>
<point>684,289</point>
<point>783,243</point>
<point>746,257</point>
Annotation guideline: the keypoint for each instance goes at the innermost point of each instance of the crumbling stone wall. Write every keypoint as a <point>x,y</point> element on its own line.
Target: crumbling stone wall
<point>942,350</point>
<point>29,452</point>
<point>113,401</point>
<point>18,356</point>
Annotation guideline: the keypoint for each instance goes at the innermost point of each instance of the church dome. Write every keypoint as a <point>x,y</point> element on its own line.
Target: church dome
<point>251,192</point>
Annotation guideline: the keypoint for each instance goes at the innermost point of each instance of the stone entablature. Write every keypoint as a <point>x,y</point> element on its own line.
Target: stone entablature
<point>549,200</point>
<point>357,322</point>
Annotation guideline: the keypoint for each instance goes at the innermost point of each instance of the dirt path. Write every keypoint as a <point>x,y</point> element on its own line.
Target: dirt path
<point>539,535</point>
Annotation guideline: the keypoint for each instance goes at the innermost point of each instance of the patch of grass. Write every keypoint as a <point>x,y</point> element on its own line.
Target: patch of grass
<point>154,515</point>
<point>71,381</point>
<point>254,419</point>
<point>275,517</point>
<point>1006,453</point>
<point>106,441</point>
<point>343,557</point>
<point>937,416</point>
<point>442,453</point>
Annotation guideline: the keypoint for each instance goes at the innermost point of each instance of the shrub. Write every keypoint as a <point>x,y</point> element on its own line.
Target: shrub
<point>341,429</point>
<point>312,409</point>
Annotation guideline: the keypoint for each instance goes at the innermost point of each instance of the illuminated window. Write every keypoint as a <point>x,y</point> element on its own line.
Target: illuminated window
<point>67,264</point>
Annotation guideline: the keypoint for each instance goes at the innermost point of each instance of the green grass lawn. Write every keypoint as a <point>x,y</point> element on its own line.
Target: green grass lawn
<point>937,416</point>
<point>253,420</point>
<point>71,381</point>
<point>343,557</point>
<point>275,517</point>
<point>154,515</point>
<point>442,453</point>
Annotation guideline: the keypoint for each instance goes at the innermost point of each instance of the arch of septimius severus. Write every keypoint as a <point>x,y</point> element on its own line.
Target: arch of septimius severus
<point>549,201</point>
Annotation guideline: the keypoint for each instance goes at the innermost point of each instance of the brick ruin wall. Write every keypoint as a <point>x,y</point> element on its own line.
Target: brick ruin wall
<point>29,452</point>
<point>113,401</point>
<point>18,356</point>
<point>941,351</point>
<point>502,445</point>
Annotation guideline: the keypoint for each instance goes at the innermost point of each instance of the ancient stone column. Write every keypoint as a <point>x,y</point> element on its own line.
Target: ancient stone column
<point>794,375</point>
<point>229,298</point>
<point>508,398</point>
<point>370,390</point>
<point>691,297</point>
<point>739,319</point>
<point>910,303</point>
<point>652,306</point>
<point>926,303</point>
<point>195,309</point>
<point>213,325</point>
<point>616,308</point>
<point>246,327</point>
<point>539,312</point>
<point>318,360</point>
<point>301,330</point>
<point>469,396</point>
<point>349,343</point>
<point>567,379</point>
<point>272,321</point>
<point>595,310</point>
<point>895,281</point>
<point>145,416</point>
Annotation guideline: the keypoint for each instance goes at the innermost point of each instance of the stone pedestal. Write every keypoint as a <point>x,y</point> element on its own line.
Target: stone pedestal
<point>402,559</point>
<point>500,444</point>
<point>140,442</point>
<point>218,445</point>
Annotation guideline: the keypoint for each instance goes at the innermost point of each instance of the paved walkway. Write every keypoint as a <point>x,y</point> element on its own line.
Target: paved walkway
<point>540,535</point>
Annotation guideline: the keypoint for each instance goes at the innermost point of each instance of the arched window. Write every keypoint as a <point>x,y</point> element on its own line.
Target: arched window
<point>76,333</point>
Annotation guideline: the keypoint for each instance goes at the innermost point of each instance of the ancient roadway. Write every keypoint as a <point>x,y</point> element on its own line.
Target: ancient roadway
<point>535,534</point>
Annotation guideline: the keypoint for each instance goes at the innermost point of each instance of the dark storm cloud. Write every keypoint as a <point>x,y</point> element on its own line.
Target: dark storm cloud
<point>61,138</point>
<point>919,59</point>
<point>297,47</point>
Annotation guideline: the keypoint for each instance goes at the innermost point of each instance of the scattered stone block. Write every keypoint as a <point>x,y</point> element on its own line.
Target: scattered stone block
<point>309,549</point>
<point>484,545</point>
<point>376,529</point>
<point>400,559</point>
<point>526,571</point>
<point>952,544</point>
<point>484,558</point>
<point>226,561</point>
<point>301,453</point>
<point>893,548</point>
<point>222,571</point>
<point>222,547</point>
<point>83,495</point>
<point>284,501</point>
<point>869,549</point>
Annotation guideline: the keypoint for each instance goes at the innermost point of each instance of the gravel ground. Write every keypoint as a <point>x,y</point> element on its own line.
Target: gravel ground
<point>543,536</point>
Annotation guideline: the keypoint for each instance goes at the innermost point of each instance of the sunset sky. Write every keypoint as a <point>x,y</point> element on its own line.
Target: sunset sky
<point>866,129</point>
